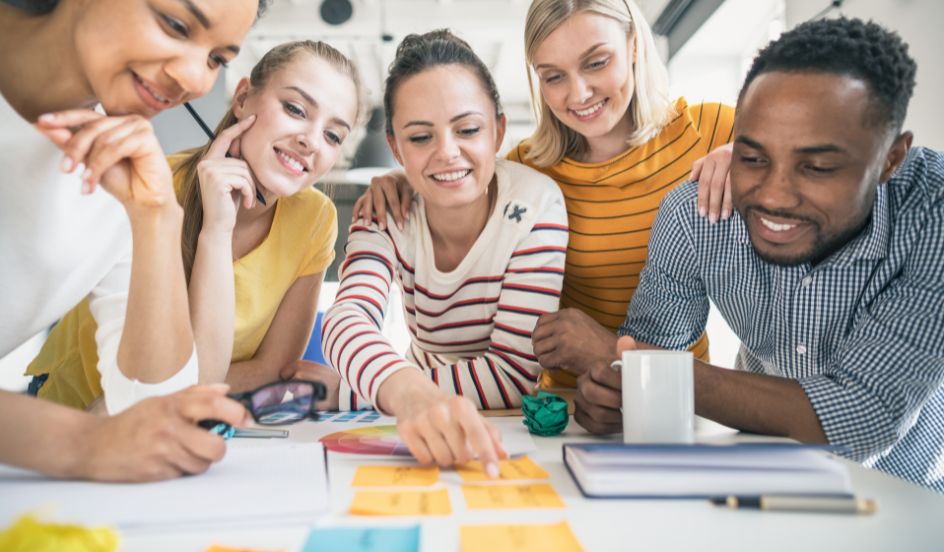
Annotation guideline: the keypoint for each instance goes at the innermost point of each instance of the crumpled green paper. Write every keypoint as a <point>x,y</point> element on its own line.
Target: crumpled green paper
<point>544,414</point>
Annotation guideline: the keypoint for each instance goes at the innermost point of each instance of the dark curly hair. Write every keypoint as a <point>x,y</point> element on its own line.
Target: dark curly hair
<point>419,52</point>
<point>851,47</point>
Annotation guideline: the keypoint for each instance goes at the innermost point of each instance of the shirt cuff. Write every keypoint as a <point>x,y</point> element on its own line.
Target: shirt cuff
<point>122,392</point>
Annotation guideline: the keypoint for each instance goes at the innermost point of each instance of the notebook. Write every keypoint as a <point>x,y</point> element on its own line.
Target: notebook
<point>616,470</point>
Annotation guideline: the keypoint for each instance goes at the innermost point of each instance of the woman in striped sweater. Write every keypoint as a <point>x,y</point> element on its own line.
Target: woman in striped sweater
<point>615,142</point>
<point>481,258</point>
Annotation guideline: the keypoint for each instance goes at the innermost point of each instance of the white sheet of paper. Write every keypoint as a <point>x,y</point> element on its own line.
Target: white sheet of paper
<point>252,484</point>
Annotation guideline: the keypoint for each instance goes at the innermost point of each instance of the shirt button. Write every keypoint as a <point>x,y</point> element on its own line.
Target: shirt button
<point>807,281</point>
<point>801,349</point>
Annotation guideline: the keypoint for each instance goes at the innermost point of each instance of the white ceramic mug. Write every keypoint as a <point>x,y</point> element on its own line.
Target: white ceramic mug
<point>658,396</point>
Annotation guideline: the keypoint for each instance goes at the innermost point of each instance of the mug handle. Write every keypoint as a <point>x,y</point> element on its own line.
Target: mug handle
<point>616,365</point>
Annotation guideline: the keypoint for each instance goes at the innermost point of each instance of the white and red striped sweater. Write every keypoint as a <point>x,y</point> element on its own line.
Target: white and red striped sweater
<point>470,328</point>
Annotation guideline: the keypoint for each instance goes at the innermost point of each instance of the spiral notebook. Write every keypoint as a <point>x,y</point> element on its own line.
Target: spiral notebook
<point>616,470</point>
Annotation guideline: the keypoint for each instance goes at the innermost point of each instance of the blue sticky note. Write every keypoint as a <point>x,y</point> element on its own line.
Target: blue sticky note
<point>364,539</point>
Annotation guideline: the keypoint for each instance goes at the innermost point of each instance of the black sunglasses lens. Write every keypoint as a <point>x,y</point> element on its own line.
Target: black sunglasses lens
<point>282,403</point>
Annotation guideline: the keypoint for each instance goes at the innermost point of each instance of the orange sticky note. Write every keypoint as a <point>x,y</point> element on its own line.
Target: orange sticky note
<point>516,469</point>
<point>395,476</point>
<point>537,495</point>
<point>401,503</point>
<point>551,537</point>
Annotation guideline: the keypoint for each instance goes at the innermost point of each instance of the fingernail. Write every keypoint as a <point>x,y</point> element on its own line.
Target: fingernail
<point>86,187</point>
<point>491,469</point>
<point>701,211</point>
<point>726,215</point>
<point>400,226</point>
<point>67,164</point>
<point>47,117</point>
<point>86,175</point>
<point>712,219</point>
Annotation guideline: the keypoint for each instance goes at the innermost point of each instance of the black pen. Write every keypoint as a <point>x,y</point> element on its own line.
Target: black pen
<point>799,503</point>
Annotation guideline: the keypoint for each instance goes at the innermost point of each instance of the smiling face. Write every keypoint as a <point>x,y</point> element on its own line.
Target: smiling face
<point>303,114</point>
<point>144,56</point>
<point>806,164</point>
<point>585,72</point>
<point>446,135</point>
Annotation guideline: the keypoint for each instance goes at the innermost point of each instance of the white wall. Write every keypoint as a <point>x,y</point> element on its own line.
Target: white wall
<point>919,22</point>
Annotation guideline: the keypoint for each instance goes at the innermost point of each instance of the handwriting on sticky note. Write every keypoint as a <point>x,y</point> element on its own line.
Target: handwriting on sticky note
<point>363,539</point>
<point>538,495</point>
<point>395,476</point>
<point>551,537</point>
<point>517,469</point>
<point>401,503</point>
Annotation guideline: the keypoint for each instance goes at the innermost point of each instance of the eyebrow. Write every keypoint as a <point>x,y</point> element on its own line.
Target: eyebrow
<point>205,21</point>
<point>585,54</point>
<point>454,119</point>
<point>313,103</point>
<point>808,150</point>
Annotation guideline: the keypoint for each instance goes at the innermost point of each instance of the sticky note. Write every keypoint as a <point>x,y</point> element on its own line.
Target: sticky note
<point>364,539</point>
<point>516,469</point>
<point>220,548</point>
<point>395,476</point>
<point>552,537</point>
<point>28,533</point>
<point>538,495</point>
<point>401,503</point>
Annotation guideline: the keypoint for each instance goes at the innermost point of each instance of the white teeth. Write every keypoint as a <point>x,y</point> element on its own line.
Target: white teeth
<point>777,227</point>
<point>157,96</point>
<point>451,176</point>
<point>590,110</point>
<point>292,162</point>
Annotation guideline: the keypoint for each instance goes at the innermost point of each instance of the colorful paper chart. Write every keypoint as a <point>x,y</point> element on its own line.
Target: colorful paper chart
<point>374,440</point>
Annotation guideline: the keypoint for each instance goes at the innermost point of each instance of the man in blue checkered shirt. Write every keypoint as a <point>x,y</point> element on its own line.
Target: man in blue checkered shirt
<point>831,272</point>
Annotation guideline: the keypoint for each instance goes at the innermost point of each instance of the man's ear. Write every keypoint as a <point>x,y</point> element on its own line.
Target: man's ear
<point>896,155</point>
<point>239,97</point>
<point>393,148</point>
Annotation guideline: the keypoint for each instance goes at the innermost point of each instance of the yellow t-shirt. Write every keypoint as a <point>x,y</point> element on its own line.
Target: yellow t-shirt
<point>611,207</point>
<point>300,242</point>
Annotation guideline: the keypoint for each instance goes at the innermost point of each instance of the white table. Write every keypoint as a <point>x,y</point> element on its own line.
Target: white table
<point>909,518</point>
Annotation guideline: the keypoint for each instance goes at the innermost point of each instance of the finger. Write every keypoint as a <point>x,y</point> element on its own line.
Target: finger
<point>203,404</point>
<point>602,373</point>
<point>448,426</point>
<point>406,197</point>
<point>56,135</point>
<point>544,328</point>
<point>109,148</point>
<point>361,206</point>
<point>137,145</point>
<point>716,194</point>
<point>413,441</point>
<point>196,449</point>
<point>81,142</point>
<point>242,183</point>
<point>600,394</point>
<point>696,169</point>
<point>377,203</point>
<point>704,190</point>
<point>221,144</point>
<point>483,442</point>
<point>625,343</point>
<point>392,200</point>
<point>438,447</point>
<point>69,118</point>
<point>593,426</point>
<point>727,204</point>
<point>496,436</point>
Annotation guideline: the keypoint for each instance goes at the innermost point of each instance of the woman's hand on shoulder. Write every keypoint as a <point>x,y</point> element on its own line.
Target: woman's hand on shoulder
<point>714,184</point>
<point>225,179</point>
<point>391,190</point>
<point>121,153</point>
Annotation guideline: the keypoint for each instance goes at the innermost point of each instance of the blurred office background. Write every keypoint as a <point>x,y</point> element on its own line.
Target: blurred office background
<point>708,45</point>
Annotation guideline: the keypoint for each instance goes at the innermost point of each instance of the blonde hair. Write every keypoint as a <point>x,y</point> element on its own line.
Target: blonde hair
<point>650,106</point>
<point>271,62</point>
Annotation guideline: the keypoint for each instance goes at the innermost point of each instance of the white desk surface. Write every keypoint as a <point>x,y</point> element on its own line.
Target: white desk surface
<point>909,518</point>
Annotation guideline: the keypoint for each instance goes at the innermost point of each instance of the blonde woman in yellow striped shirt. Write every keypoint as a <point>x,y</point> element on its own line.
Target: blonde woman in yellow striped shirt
<point>615,142</point>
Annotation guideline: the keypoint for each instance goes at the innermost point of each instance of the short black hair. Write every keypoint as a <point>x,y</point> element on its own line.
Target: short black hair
<point>851,47</point>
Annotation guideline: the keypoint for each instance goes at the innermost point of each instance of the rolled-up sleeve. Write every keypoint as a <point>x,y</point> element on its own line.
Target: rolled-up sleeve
<point>893,359</point>
<point>108,304</point>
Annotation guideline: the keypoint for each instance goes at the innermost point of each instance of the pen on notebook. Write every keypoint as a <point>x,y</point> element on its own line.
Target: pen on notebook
<point>794,503</point>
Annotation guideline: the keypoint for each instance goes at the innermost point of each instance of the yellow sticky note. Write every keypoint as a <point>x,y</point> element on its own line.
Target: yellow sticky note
<point>538,495</point>
<point>516,469</point>
<point>401,503</point>
<point>395,476</point>
<point>551,537</point>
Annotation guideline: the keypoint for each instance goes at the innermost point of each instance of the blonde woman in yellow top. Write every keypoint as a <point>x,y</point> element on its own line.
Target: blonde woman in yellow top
<point>615,142</point>
<point>257,237</point>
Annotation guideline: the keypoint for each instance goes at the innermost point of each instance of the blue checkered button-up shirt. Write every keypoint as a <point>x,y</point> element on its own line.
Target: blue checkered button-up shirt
<point>862,332</point>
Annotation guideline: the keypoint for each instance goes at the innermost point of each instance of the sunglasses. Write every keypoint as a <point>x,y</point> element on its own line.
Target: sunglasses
<point>277,403</point>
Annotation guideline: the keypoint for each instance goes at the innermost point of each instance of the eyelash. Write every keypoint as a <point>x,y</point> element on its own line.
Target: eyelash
<point>465,133</point>
<point>293,110</point>
<point>180,29</point>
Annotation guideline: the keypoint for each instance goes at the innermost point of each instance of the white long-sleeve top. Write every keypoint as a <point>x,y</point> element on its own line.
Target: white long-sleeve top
<point>470,328</point>
<point>58,246</point>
